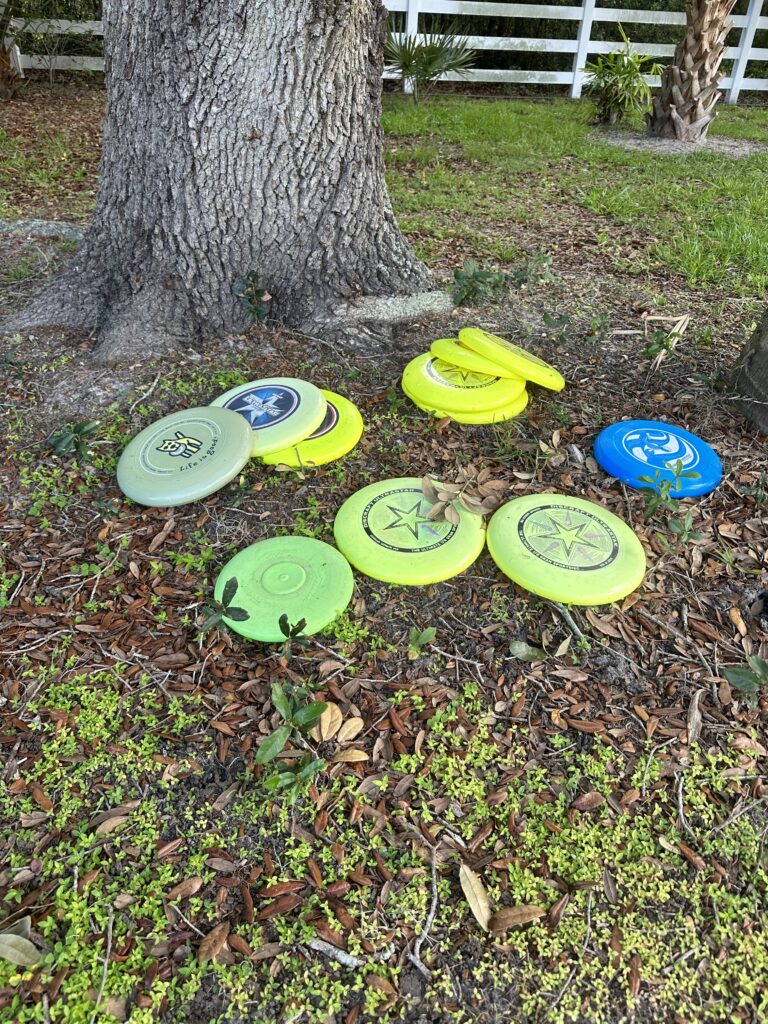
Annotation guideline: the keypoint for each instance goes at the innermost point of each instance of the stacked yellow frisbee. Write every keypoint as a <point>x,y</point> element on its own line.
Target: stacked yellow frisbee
<point>476,378</point>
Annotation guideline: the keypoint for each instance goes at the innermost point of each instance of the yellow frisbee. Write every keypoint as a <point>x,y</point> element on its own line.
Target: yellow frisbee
<point>335,437</point>
<point>436,384</point>
<point>452,351</point>
<point>514,358</point>
<point>507,412</point>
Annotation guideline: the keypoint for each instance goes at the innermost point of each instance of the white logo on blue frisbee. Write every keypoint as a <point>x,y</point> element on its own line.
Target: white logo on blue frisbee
<point>634,451</point>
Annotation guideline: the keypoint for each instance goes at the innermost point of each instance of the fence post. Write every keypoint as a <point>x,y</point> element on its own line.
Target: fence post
<point>411,29</point>
<point>743,50</point>
<point>582,46</point>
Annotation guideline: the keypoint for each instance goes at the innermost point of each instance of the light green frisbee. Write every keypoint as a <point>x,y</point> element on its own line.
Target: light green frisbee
<point>185,456</point>
<point>482,416</point>
<point>335,437</point>
<point>385,532</point>
<point>299,577</point>
<point>281,411</point>
<point>566,549</point>
<point>450,350</point>
<point>436,384</point>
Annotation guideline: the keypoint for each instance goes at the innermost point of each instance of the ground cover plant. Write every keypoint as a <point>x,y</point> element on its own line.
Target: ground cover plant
<point>515,813</point>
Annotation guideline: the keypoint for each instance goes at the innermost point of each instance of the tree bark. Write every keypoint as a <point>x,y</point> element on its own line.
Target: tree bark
<point>240,136</point>
<point>751,377</point>
<point>684,108</point>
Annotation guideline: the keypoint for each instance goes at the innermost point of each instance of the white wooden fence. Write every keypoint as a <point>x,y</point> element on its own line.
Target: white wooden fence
<point>576,40</point>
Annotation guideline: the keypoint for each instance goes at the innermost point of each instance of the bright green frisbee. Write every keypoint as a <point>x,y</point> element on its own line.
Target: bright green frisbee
<point>436,384</point>
<point>514,358</point>
<point>385,532</point>
<point>299,577</point>
<point>505,412</point>
<point>450,350</point>
<point>566,549</point>
<point>335,437</point>
<point>281,411</point>
<point>183,457</point>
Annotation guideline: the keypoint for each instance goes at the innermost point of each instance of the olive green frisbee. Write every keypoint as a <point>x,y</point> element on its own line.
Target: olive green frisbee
<point>184,457</point>
<point>566,549</point>
<point>514,358</point>
<point>385,531</point>
<point>298,577</point>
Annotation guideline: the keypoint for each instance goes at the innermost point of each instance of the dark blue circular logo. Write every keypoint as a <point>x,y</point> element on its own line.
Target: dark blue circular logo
<point>266,405</point>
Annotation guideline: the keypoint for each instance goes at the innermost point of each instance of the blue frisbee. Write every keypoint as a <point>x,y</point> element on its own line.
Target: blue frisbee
<point>637,449</point>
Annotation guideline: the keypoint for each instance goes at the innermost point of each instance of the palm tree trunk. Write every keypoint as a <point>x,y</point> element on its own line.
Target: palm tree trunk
<point>685,106</point>
<point>751,378</point>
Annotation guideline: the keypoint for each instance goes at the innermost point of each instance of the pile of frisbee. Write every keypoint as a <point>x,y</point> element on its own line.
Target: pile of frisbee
<point>193,453</point>
<point>559,547</point>
<point>476,378</point>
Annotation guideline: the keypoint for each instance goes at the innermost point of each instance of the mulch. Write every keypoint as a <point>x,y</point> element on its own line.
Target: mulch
<point>650,674</point>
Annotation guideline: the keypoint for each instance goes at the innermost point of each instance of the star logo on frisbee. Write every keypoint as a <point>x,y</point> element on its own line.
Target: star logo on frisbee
<point>265,406</point>
<point>569,538</point>
<point>409,519</point>
<point>456,377</point>
<point>398,520</point>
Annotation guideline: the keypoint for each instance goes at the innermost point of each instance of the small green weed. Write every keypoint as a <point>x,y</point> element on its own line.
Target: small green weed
<point>658,493</point>
<point>299,717</point>
<point>74,437</point>
<point>750,680</point>
<point>473,285</point>
<point>418,639</point>
<point>254,298</point>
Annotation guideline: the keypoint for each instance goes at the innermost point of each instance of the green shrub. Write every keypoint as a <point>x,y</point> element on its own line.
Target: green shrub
<point>617,82</point>
<point>421,61</point>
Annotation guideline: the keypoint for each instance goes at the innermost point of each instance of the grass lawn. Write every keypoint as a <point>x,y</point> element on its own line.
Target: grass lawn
<point>601,776</point>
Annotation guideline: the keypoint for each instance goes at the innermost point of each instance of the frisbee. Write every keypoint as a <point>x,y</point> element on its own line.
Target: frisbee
<point>183,457</point>
<point>515,407</point>
<point>385,531</point>
<point>566,549</point>
<point>336,436</point>
<point>298,577</point>
<point>452,351</point>
<point>281,411</point>
<point>634,449</point>
<point>511,356</point>
<point>436,384</point>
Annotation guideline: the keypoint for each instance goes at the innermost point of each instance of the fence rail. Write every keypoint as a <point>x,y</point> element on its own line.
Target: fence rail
<point>579,43</point>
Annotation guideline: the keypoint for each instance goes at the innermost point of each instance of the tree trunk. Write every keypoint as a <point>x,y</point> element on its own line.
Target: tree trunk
<point>240,137</point>
<point>751,378</point>
<point>685,106</point>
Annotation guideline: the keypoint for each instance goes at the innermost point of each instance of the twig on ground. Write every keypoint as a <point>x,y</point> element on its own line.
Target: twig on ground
<point>105,966</point>
<point>560,994</point>
<point>457,657</point>
<point>681,819</point>
<point>415,955</point>
<point>184,918</point>
<point>333,953</point>
<point>589,920</point>
<point>674,631</point>
<point>146,394</point>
